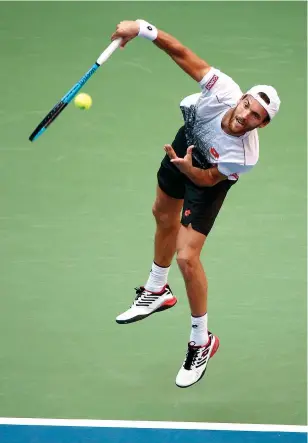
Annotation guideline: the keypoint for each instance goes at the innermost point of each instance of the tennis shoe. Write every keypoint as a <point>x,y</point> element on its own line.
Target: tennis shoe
<point>146,303</point>
<point>195,363</point>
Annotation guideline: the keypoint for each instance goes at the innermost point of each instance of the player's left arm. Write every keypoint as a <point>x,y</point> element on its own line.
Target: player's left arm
<point>200,177</point>
<point>205,177</point>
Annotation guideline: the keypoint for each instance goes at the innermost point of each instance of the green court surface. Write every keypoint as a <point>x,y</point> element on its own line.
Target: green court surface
<point>76,229</point>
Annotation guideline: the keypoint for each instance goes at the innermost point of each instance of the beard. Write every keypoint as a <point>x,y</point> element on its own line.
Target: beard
<point>237,125</point>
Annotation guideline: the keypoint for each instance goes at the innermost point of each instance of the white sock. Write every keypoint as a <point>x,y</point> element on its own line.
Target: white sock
<point>158,278</point>
<point>199,333</point>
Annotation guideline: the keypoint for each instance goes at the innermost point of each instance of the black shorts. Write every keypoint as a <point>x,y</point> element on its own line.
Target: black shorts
<point>201,204</point>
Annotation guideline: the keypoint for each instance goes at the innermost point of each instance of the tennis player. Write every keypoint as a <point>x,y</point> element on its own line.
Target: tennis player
<point>216,145</point>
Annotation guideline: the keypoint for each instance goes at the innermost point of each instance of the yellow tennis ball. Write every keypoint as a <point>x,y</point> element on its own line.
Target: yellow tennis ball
<point>83,101</point>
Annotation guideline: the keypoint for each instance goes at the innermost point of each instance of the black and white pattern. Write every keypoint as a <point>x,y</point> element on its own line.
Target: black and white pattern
<point>194,135</point>
<point>146,298</point>
<point>189,115</point>
<point>195,357</point>
<point>146,303</point>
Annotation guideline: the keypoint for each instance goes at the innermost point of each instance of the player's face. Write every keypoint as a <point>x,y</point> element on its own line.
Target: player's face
<point>247,115</point>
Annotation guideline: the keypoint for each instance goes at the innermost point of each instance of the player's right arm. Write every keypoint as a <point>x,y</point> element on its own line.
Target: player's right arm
<point>193,65</point>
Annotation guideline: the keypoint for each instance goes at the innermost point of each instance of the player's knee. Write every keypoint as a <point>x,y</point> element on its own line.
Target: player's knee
<point>163,218</point>
<point>187,259</point>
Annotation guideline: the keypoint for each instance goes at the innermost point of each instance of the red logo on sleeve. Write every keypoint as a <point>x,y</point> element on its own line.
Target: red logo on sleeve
<point>211,82</point>
<point>235,175</point>
<point>214,153</point>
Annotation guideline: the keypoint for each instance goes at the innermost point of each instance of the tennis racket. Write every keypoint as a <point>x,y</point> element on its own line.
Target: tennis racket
<point>67,98</point>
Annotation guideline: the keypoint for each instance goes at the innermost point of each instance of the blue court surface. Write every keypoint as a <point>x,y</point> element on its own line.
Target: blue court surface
<point>100,431</point>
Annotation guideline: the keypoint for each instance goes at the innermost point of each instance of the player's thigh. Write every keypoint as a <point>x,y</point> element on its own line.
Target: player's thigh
<point>166,209</point>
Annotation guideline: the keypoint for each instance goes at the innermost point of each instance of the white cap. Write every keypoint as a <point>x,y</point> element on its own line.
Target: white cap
<point>273,107</point>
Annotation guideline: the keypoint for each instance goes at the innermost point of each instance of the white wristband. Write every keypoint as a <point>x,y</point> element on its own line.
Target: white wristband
<point>147,30</point>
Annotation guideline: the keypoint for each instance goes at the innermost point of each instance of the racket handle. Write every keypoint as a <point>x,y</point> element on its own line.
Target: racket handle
<point>108,51</point>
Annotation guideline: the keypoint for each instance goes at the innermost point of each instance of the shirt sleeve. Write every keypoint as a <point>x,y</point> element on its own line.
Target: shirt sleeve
<point>219,85</point>
<point>233,170</point>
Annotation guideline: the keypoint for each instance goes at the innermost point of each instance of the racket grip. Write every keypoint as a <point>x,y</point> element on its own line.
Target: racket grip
<point>108,51</point>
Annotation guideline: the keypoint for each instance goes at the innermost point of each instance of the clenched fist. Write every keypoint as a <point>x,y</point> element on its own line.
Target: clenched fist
<point>127,30</point>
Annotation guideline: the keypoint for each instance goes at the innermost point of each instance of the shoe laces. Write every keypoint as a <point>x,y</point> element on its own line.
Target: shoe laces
<point>192,355</point>
<point>139,292</point>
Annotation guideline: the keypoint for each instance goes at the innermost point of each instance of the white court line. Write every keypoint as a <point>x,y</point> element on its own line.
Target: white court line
<point>138,65</point>
<point>152,424</point>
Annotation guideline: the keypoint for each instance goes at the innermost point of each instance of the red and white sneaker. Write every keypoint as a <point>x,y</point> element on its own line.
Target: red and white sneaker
<point>146,303</point>
<point>196,361</point>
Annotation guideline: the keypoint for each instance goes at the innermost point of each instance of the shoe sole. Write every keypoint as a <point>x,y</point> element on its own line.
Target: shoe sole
<point>213,352</point>
<point>167,305</point>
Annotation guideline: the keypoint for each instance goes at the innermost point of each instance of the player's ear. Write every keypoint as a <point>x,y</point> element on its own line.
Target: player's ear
<point>263,124</point>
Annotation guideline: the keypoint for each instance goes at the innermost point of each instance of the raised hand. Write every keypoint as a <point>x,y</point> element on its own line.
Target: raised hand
<point>183,164</point>
<point>127,30</point>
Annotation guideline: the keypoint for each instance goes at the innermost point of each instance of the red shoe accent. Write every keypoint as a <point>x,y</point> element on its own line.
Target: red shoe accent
<point>170,302</point>
<point>215,347</point>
